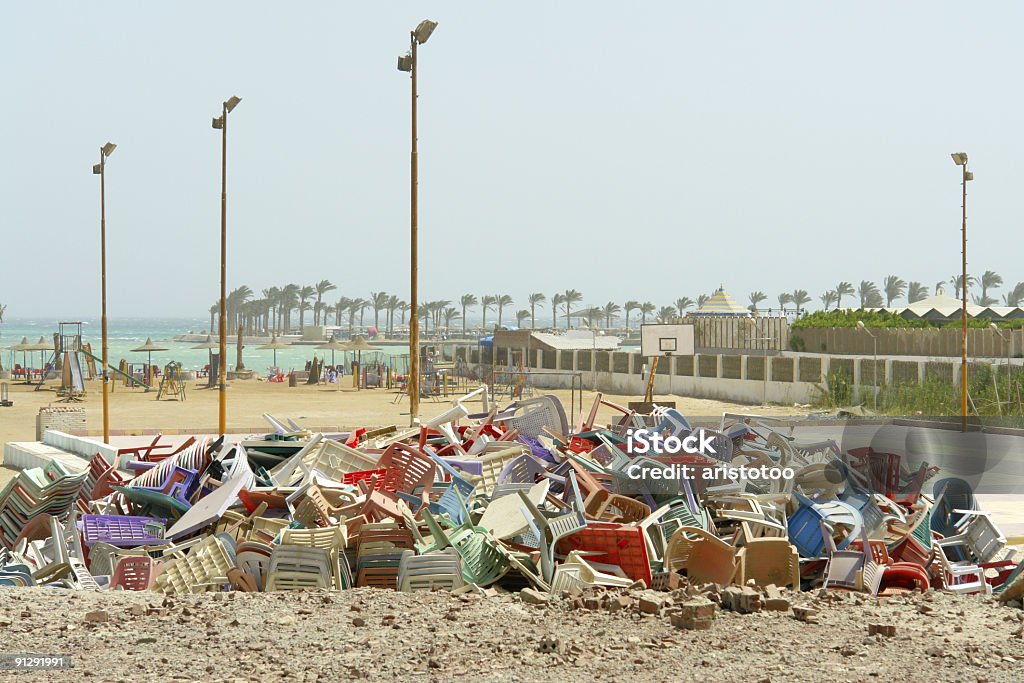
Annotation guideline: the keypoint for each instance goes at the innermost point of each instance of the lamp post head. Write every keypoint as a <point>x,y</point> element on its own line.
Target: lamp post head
<point>232,103</point>
<point>423,30</point>
<point>994,327</point>
<point>218,122</point>
<point>959,158</point>
<point>405,63</point>
<point>860,325</point>
<point>97,169</point>
<point>969,175</point>
<point>108,149</point>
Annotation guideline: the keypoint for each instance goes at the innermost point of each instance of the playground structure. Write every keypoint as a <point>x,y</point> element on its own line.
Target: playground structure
<point>68,353</point>
<point>172,385</point>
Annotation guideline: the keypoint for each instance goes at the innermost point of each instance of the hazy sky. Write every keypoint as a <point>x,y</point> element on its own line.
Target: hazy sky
<point>644,150</point>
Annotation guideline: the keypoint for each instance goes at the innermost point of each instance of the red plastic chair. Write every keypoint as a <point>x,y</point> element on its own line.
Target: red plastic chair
<point>134,573</point>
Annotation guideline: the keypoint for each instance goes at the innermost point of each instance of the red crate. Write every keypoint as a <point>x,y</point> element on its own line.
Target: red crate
<point>619,544</point>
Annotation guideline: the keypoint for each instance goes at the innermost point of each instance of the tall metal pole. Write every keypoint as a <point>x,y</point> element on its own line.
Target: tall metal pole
<point>222,366</point>
<point>963,312</point>
<point>414,310</point>
<point>103,290</point>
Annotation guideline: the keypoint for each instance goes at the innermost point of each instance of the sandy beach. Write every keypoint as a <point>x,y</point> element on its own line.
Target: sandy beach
<point>317,407</point>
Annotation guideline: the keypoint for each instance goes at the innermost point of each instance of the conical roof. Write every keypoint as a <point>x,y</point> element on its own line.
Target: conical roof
<point>148,346</point>
<point>721,303</point>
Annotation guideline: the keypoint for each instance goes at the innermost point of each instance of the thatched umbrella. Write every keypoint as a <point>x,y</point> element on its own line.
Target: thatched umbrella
<point>148,348</point>
<point>332,346</point>
<point>20,346</point>
<point>359,344</point>
<point>210,344</point>
<point>274,345</point>
<point>41,346</point>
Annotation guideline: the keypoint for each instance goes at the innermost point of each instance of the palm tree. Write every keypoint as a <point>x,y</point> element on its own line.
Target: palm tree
<point>570,297</point>
<point>378,300</point>
<point>785,298</point>
<point>449,314</point>
<point>535,299</point>
<point>841,290</point>
<point>501,301</point>
<point>646,309</point>
<point>756,298</point>
<point>289,300</point>
<point>868,292</point>
<point>273,298</point>
<point>984,300</point>
<point>321,288</point>
<point>682,304</point>
<point>916,292</point>
<point>702,299</point>
<point>403,308</point>
<point>556,301</point>
<point>360,306</point>
<point>958,280</point>
<point>214,310</point>
<point>827,298</point>
<point>522,315</point>
<point>466,301</point>
<point>799,298</point>
<point>1015,296</point>
<point>611,311</point>
<point>666,313</point>
<point>486,303</point>
<point>235,299</point>
<point>894,287</point>
<point>391,307</point>
<point>628,308</point>
<point>990,279</point>
<point>304,295</point>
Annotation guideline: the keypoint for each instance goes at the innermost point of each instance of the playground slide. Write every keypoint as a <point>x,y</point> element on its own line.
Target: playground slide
<point>115,371</point>
<point>71,362</point>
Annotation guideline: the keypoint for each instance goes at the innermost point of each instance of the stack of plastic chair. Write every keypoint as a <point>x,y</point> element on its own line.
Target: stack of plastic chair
<point>531,416</point>
<point>294,567</point>
<point>98,482</point>
<point>103,557</point>
<point>439,569</point>
<point>134,573</point>
<point>203,569</point>
<point>52,490</point>
<point>379,553</point>
<point>333,540</point>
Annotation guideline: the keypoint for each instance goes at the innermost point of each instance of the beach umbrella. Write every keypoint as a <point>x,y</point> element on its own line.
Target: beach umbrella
<point>41,346</point>
<point>148,348</point>
<point>20,346</point>
<point>332,346</point>
<point>274,345</point>
<point>359,345</point>
<point>209,345</point>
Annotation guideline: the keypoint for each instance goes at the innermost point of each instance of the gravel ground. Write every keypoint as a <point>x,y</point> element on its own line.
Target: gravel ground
<point>384,635</point>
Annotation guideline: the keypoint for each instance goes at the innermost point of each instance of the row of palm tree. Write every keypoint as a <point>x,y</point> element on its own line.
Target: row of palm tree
<point>273,311</point>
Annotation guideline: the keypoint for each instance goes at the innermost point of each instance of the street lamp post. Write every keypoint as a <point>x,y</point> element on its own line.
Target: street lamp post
<point>874,372</point>
<point>221,123</point>
<point>100,170</point>
<point>960,159</point>
<point>407,63</point>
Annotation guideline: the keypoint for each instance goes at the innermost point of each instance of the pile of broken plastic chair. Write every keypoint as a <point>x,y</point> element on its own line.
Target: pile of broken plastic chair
<point>513,497</point>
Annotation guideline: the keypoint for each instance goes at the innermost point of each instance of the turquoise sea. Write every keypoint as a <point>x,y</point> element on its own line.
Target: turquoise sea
<point>127,334</point>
